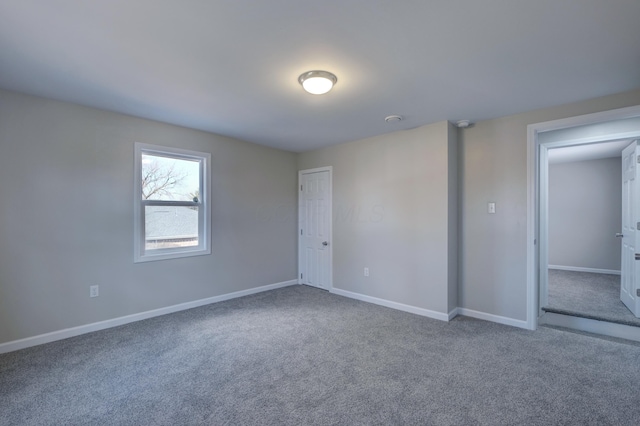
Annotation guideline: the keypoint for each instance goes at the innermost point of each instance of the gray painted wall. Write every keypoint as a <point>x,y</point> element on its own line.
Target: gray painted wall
<point>66,218</point>
<point>585,212</point>
<point>394,211</point>
<point>493,166</point>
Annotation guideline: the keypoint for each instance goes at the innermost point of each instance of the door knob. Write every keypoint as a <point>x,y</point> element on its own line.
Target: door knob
<point>325,243</point>
<point>619,235</point>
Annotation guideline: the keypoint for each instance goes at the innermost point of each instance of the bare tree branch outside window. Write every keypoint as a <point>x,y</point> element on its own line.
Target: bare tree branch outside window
<point>158,180</point>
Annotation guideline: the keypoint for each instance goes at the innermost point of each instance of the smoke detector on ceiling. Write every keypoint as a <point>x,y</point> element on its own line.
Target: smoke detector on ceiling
<point>393,119</point>
<point>463,124</point>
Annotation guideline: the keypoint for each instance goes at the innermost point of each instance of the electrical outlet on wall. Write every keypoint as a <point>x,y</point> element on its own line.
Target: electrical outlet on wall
<point>93,291</point>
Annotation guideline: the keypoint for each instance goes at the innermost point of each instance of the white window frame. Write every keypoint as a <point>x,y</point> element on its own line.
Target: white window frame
<point>203,204</point>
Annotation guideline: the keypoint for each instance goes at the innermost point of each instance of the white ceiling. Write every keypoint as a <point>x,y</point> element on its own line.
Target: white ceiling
<point>231,66</point>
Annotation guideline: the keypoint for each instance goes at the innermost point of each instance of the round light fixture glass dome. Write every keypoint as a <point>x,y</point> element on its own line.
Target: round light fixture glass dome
<point>317,82</point>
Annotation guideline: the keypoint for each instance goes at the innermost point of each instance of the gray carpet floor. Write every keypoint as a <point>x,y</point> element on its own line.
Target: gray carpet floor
<point>302,356</point>
<point>589,295</point>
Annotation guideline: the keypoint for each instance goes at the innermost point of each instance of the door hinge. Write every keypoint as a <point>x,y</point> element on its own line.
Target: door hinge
<point>638,157</point>
<point>301,232</point>
<point>300,276</point>
<point>638,292</point>
<point>638,225</point>
<point>300,187</point>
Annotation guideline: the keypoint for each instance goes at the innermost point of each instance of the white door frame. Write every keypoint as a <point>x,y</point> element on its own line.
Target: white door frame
<point>537,194</point>
<point>330,208</point>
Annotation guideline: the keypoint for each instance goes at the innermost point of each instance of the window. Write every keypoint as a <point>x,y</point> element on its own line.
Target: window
<point>172,214</point>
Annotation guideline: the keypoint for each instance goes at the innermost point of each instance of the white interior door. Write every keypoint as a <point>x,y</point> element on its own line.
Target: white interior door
<point>630,238</point>
<point>314,248</point>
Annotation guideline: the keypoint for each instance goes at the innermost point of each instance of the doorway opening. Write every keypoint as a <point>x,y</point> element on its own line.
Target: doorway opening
<point>585,225</point>
<point>607,130</point>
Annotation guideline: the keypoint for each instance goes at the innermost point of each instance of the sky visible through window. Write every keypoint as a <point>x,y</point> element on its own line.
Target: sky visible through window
<point>169,179</point>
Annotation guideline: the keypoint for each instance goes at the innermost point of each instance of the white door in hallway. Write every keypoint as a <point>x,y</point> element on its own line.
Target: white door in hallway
<point>314,248</point>
<point>630,234</point>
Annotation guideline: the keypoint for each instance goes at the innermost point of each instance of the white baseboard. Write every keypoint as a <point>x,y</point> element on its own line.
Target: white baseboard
<point>621,331</point>
<point>393,305</point>
<point>101,325</point>
<point>493,318</point>
<point>580,269</point>
<point>454,313</point>
<point>432,314</point>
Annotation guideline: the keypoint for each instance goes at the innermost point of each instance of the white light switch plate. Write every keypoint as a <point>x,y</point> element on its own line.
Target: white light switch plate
<point>491,207</point>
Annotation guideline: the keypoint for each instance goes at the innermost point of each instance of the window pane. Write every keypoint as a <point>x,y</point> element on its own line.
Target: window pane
<point>167,227</point>
<point>170,178</point>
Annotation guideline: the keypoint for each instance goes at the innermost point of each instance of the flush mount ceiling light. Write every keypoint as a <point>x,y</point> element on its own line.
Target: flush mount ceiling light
<point>317,82</point>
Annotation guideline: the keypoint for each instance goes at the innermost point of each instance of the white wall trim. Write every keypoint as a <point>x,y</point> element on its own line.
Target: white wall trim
<point>101,325</point>
<point>454,313</point>
<point>429,313</point>
<point>581,269</point>
<point>493,318</point>
<point>589,325</point>
<point>593,118</point>
<point>393,305</point>
<point>533,165</point>
<point>532,229</point>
